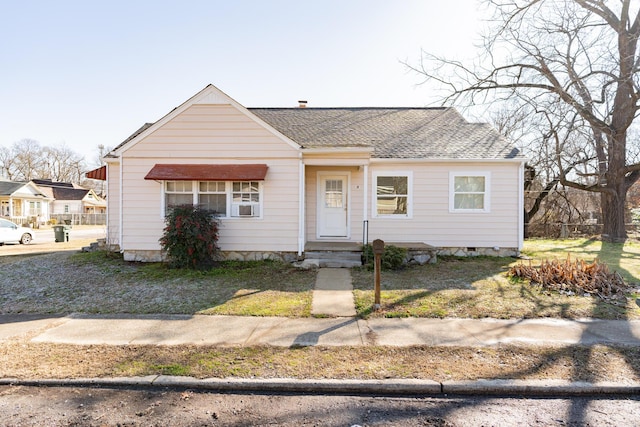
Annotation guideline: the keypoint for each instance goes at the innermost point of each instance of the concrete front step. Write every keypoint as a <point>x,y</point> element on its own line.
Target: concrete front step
<point>334,255</point>
<point>329,263</point>
<point>332,259</point>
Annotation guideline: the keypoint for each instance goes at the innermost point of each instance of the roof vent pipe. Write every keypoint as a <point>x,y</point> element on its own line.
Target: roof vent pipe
<point>302,104</point>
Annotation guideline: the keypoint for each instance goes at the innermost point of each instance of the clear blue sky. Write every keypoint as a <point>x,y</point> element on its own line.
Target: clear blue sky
<point>88,72</point>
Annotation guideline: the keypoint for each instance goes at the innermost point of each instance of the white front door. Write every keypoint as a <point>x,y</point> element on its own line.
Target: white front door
<point>333,212</point>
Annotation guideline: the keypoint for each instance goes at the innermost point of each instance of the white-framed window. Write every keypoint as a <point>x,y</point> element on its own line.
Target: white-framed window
<point>228,199</point>
<point>245,198</point>
<point>392,195</point>
<point>469,191</point>
<point>212,195</point>
<point>35,208</point>
<point>178,193</point>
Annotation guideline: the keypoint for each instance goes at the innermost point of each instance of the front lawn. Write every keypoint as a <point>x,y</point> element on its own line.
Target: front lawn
<point>101,283</point>
<point>61,283</point>
<point>479,287</point>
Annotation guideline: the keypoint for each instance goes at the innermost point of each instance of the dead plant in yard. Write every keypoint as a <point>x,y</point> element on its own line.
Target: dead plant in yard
<point>574,277</point>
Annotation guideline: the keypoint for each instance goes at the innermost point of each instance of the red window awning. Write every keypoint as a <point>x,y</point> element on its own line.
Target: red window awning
<point>165,172</point>
<point>100,173</point>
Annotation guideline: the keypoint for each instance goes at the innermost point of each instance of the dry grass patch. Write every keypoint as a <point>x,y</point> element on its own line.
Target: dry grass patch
<point>479,287</point>
<point>25,360</point>
<point>105,284</point>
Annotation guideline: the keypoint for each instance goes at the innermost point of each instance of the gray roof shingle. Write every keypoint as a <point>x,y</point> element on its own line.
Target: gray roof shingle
<point>406,133</point>
<point>63,193</point>
<point>8,187</point>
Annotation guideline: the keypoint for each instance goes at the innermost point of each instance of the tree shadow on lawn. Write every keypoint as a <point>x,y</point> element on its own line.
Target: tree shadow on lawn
<point>467,288</point>
<point>586,359</point>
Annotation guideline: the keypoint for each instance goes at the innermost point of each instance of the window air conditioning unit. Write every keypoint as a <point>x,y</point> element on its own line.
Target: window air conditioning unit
<point>246,210</point>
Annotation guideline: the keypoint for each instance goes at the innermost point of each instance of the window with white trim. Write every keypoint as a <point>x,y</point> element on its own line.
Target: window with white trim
<point>227,199</point>
<point>35,208</point>
<point>469,192</point>
<point>212,196</point>
<point>245,199</point>
<point>178,193</point>
<point>393,194</point>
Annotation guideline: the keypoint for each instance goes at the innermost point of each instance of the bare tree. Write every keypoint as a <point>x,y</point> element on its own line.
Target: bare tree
<point>575,63</point>
<point>27,159</point>
<point>7,160</point>
<point>542,176</point>
<point>62,165</point>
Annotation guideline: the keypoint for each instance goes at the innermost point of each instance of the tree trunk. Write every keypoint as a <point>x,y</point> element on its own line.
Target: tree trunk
<point>613,211</point>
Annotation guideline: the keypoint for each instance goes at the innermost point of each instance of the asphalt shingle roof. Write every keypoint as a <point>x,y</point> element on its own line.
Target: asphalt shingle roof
<point>63,193</point>
<point>50,183</point>
<point>403,133</point>
<point>432,133</point>
<point>8,187</point>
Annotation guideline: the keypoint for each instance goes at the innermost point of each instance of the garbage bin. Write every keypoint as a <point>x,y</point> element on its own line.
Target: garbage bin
<point>61,233</point>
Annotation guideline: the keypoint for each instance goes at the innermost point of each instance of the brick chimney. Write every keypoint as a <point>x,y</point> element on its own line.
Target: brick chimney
<point>302,104</point>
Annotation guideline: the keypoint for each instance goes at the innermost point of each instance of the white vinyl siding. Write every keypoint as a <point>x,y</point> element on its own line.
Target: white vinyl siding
<point>113,204</point>
<point>433,222</point>
<point>216,134</point>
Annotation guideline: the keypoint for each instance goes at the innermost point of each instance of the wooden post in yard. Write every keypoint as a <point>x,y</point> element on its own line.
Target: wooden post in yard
<point>378,250</point>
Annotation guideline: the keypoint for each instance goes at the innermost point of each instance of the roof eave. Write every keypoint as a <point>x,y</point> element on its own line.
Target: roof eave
<point>334,150</point>
<point>447,160</point>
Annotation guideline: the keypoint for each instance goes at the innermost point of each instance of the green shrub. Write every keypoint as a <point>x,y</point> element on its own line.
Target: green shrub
<point>393,257</point>
<point>190,237</point>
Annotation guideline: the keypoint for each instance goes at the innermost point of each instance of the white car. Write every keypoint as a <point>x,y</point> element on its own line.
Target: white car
<point>10,232</point>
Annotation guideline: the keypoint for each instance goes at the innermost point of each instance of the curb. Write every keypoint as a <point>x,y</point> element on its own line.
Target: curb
<point>533,388</point>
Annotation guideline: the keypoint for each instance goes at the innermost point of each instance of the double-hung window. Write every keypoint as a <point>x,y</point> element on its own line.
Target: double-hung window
<point>178,193</point>
<point>245,198</point>
<point>228,199</point>
<point>212,196</point>
<point>469,192</point>
<point>393,194</point>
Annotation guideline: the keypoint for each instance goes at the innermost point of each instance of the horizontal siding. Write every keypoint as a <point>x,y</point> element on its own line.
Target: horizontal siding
<point>355,200</point>
<point>276,231</point>
<point>211,131</point>
<point>432,222</point>
<point>113,204</point>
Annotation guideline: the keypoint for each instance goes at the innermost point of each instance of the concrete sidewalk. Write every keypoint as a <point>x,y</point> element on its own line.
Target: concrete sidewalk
<point>332,296</point>
<point>288,332</point>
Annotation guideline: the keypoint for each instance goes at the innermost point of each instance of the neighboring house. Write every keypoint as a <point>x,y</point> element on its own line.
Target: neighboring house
<point>23,202</point>
<point>68,198</point>
<point>281,179</point>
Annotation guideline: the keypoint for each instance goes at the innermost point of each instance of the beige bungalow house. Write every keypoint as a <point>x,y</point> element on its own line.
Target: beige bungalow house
<point>285,180</point>
<point>68,198</point>
<point>23,202</point>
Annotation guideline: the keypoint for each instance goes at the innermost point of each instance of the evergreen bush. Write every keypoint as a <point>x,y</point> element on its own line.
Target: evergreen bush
<point>190,237</point>
<point>393,257</point>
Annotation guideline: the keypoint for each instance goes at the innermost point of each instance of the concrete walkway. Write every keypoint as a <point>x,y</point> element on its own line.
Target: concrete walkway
<point>333,293</point>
